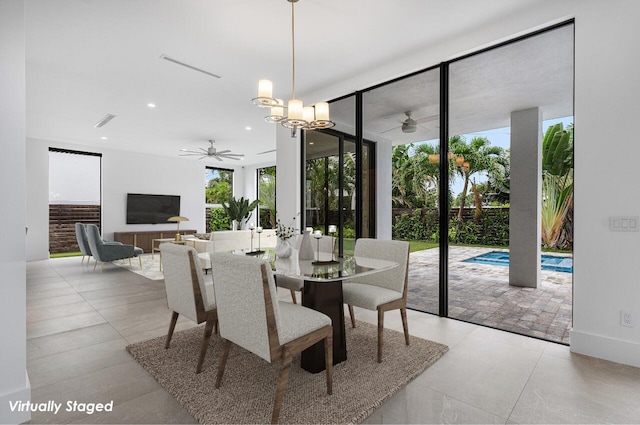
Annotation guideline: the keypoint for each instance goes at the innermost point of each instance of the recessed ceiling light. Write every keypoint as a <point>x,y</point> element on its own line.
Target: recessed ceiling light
<point>151,105</point>
<point>104,138</point>
<point>247,128</point>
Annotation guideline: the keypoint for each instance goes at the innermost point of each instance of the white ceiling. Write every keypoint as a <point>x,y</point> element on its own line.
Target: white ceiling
<point>88,58</point>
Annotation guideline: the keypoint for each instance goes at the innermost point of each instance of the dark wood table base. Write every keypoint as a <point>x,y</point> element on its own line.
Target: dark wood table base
<point>325,297</point>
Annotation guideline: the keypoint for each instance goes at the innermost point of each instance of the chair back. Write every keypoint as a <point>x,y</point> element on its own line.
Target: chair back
<point>327,243</point>
<point>187,293</point>
<point>95,241</point>
<point>247,302</point>
<point>398,251</point>
<point>81,237</point>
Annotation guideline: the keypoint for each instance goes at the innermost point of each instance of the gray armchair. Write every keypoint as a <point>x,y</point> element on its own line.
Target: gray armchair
<point>109,251</point>
<point>83,242</point>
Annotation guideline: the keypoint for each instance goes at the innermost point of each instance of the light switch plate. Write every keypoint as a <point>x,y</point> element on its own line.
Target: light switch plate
<point>627,223</point>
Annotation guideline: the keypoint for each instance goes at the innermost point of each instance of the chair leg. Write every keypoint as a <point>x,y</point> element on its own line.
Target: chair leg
<point>140,260</point>
<point>328,361</point>
<point>293,296</point>
<point>129,261</point>
<point>380,333</point>
<point>226,347</point>
<point>405,325</point>
<point>208,328</point>
<point>281,388</point>
<point>94,265</point>
<point>82,262</point>
<point>172,326</point>
<point>353,316</point>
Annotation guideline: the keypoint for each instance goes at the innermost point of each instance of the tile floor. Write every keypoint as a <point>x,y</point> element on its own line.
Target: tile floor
<point>79,323</point>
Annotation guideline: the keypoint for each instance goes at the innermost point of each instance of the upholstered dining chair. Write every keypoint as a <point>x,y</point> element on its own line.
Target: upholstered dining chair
<point>382,291</point>
<point>106,252</point>
<point>83,242</point>
<point>188,293</point>
<point>327,244</point>
<point>251,316</point>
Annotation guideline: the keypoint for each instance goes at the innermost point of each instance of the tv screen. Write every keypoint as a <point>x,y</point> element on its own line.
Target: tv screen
<point>151,209</point>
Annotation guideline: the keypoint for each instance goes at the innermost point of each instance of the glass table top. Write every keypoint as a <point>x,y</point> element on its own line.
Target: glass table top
<point>346,267</point>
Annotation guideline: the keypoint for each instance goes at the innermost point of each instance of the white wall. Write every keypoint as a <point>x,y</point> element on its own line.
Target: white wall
<point>122,173</point>
<point>288,176</point>
<point>14,383</point>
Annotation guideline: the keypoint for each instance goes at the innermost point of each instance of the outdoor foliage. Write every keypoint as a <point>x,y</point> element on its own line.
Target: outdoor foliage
<point>219,187</point>
<point>490,229</point>
<point>267,196</point>
<point>219,220</point>
<point>557,186</point>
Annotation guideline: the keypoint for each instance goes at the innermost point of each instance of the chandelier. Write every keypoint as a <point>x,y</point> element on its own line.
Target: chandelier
<point>297,115</point>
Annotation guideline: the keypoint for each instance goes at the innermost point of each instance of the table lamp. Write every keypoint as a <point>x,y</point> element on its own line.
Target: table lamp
<point>177,219</point>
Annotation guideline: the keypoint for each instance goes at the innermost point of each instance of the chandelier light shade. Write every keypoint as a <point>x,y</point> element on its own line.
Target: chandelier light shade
<point>295,115</point>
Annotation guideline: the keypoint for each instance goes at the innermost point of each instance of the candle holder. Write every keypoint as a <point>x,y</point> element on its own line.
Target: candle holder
<point>258,251</point>
<point>318,262</point>
<point>332,232</point>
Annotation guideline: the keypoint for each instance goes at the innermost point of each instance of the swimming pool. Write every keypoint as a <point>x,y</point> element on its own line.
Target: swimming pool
<point>500,258</point>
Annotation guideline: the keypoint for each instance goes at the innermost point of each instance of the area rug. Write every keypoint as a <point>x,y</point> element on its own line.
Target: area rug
<point>150,266</point>
<point>360,384</point>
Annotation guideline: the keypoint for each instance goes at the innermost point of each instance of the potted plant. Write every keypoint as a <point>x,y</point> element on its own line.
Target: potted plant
<point>239,211</point>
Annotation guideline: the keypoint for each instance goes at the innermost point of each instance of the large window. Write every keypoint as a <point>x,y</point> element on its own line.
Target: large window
<point>74,196</point>
<point>267,197</point>
<point>218,189</point>
<point>475,170</point>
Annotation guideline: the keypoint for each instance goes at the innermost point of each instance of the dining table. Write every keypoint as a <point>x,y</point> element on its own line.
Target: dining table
<point>323,276</point>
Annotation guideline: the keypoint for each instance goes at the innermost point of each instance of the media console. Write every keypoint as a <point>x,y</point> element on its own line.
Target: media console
<point>143,239</point>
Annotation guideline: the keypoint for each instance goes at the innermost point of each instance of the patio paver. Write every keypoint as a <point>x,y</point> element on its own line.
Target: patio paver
<point>481,294</point>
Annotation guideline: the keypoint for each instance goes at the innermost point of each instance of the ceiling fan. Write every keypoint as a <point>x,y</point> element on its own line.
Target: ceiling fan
<point>410,125</point>
<point>211,152</point>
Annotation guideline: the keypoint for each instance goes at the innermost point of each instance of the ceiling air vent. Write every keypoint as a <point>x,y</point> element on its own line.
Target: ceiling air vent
<point>104,120</point>
<point>167,58</point>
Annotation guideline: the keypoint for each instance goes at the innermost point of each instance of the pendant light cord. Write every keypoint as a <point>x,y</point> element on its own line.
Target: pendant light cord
<point>293,53</point>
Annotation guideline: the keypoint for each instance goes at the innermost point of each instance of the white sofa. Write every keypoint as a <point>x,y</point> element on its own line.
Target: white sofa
<point>227,240</point>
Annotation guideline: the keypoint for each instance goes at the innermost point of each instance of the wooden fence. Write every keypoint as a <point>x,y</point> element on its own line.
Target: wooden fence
<point>62,225</point>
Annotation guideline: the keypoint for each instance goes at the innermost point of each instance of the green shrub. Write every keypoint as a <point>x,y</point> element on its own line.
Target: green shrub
<point>219,220</point>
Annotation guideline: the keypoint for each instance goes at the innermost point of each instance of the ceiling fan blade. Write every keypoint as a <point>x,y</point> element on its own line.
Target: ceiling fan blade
<point>205,150</point>
<point>189,153</point>
<point>232,154</point>
<point>262,153</point>
<point>216,157</point>
<point>427,119</point>
<point>391,129</point>
<point>228,157</point>
<point>225,151</point>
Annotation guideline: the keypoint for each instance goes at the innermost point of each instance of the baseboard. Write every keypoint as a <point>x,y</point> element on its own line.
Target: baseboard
<point>15,417</point>
<point>602,347</point>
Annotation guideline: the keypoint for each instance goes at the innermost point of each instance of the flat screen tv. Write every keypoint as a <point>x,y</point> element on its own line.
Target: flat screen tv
<point>151,209</point>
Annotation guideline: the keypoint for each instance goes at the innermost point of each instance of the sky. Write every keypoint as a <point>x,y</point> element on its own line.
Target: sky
<point>498,137</point>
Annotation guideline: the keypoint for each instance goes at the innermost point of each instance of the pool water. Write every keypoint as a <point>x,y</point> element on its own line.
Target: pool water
<point>549,262</point>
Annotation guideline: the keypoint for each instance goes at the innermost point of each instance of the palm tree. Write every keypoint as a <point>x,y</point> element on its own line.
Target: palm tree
<point>479,156</point>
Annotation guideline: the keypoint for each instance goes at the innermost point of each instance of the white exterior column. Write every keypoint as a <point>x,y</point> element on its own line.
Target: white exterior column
<point>526,188</point>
